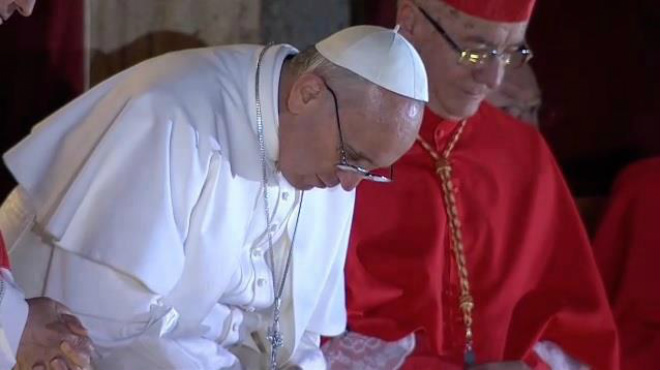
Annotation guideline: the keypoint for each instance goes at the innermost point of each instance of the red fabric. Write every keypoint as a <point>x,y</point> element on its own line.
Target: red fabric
<point>627,249</point>
<point>42,64</point>
<point>533,275</point>
<point>495,10</point>
<point>4,257</point>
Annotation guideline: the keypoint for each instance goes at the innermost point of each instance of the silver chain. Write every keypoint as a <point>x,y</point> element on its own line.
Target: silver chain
<point>2,289</point>
<point>274,335</point>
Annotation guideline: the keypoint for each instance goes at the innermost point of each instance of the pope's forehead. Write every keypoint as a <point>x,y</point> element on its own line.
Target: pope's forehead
<point>389,102</point>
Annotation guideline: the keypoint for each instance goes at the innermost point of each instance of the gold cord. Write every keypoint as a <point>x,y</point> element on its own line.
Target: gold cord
<point>443,169</point>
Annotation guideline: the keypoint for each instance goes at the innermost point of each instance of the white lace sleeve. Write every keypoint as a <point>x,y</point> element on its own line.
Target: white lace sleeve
<point>556,358</point>
<point>308,355</point>
<point>352,351</point>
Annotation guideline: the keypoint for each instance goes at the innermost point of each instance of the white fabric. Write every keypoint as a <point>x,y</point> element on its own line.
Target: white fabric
<point>555,357</point>
<point>149,224</point>
<point>353,351</point>
<point>14,217</point>
<point>13,315</point>
<point>381,56</point>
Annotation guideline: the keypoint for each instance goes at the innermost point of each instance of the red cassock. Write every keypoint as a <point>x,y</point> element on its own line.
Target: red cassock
<point>4,257</point>
<point>627,249</point>
<point>532,271</point>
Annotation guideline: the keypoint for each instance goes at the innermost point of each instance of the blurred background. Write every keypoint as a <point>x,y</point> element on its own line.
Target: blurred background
<point>597,65</point>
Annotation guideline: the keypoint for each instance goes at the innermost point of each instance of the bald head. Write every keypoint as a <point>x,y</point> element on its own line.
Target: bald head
<point>384,125</point>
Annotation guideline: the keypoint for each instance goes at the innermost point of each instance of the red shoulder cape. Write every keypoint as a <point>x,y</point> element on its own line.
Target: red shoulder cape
<point>4,258</point>
<point>532,271</point>
<point>627,249</point>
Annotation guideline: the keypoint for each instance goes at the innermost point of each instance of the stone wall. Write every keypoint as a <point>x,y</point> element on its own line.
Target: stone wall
<point>302,22</point>
<point>122,33</point>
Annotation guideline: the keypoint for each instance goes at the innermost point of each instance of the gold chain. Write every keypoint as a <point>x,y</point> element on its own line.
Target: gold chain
<point>444,171</point>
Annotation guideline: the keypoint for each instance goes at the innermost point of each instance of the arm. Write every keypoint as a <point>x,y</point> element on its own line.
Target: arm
<point>38,331</point>
<point>329,316</point>
<point>53,337</point>
<point>308,355</point>
<point>574,323</point>
<point>125,223</point>
<point>134,328</point>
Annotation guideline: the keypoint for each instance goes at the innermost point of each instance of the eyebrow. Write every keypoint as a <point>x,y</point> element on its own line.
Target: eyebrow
<point>359,155</point>
<point>476,39</point>
<point>480,40</point>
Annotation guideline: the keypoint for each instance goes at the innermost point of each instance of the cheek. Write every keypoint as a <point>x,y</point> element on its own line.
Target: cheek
<point>442,68</point>
<point>449,82</point>
<point>25,3</point>
<point>317,152</point>
<point>4,8</point>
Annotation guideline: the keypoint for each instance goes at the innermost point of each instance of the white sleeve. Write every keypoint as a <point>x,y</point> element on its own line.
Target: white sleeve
<point>131,326</point>
<point>13,316</point>
<point>329,316</point>
<point>153,352</point>
<point>308,355</point>
<point>160,346</point>
<point>556,358</point>
<point>16,216</point>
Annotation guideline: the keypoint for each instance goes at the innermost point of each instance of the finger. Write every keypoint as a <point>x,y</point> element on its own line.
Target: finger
<point>80,357</point>
<point>84,345</point>
<point>59,331</point>
<point>74,324</point>
<point>58,364</point>
<point>37,367</point>
<point>56,337</point>
<point>62,308</point>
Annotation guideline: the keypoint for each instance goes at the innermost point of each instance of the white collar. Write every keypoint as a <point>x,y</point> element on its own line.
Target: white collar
<point>269,84</point>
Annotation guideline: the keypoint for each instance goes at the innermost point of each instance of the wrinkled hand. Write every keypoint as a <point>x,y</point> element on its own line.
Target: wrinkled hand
<point>53,339</point>
<point>513,365</point>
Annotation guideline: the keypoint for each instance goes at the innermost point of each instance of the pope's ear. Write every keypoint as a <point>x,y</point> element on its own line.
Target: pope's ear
<point>406,18</point>
<point>306,90</point>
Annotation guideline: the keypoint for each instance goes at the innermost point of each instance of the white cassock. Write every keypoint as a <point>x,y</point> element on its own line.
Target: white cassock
<point>145,216</point>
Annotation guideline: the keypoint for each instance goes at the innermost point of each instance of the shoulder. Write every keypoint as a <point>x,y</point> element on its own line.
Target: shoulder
<point>193,87</point>
<point>209,59</point>
<point>495,119</point>
<point>642,177</point>
<point>188,76</point>
<point>510,138</point>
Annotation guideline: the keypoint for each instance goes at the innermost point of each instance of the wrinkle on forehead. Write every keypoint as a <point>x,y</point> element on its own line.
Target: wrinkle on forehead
<point>393,121</point>
<point>466,28</point>
<point>392,108</point>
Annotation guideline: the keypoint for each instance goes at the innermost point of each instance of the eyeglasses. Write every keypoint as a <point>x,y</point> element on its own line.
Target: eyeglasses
<point>474,57</point>
<point>343,164</point>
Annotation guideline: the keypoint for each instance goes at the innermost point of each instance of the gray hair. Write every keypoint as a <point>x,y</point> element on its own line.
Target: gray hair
<point>353,86</point>
<point>311,61</point>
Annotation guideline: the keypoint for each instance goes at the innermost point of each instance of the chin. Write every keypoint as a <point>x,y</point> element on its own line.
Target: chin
<point>306,187</point>
<point>301,184</point>
<point>460,110</point>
